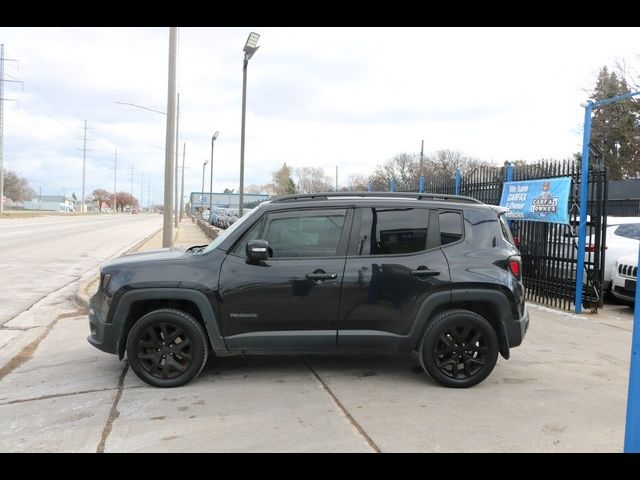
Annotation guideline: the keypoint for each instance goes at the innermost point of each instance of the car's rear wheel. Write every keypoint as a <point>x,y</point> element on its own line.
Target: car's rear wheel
<point>459,348</point>
<point>167,348</point>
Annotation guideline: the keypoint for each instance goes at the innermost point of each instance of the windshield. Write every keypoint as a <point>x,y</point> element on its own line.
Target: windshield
<point>219,239</point>
<point>629,231</point>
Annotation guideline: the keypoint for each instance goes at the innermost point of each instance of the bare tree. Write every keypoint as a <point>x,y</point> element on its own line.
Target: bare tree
<point>357,183</point>
<point>255,188</point>
<point>16,187</point>
<point>404,168</point>
<point>446,162</point>
<point>102,197</point>
<point>312,180</point>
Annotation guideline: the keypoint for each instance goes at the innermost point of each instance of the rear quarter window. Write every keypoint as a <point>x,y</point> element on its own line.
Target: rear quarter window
<point>506,231</point>
<point>450,227</point>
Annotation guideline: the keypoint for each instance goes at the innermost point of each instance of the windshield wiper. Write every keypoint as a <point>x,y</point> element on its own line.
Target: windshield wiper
<point>196,248</point>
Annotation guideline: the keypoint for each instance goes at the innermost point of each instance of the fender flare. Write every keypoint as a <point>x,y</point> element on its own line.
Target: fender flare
<point>494,297</point>
<point>195,296</point>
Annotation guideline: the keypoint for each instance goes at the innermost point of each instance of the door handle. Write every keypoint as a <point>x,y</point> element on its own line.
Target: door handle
<point>425,272</point>
<point>320,275</point>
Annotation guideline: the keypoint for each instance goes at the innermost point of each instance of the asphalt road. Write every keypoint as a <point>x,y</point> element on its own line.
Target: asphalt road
<point>41,255</point>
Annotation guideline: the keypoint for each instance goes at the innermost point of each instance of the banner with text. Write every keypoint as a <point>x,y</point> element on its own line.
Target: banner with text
<point>544,200</point>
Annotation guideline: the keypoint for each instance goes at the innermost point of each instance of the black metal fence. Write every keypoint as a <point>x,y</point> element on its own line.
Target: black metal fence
<point>549,251</point>
<point>623,208</point>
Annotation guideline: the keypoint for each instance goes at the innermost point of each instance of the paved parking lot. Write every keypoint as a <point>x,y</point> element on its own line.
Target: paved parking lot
<point>563,390</point>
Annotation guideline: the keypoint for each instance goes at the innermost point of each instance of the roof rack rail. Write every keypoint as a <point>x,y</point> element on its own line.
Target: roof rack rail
<point>417,196</point>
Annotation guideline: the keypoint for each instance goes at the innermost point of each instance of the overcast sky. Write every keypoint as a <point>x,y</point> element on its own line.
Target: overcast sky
<point>352,97</point>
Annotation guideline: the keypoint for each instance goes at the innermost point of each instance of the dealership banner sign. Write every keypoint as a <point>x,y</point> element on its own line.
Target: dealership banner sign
<point>543,200</point>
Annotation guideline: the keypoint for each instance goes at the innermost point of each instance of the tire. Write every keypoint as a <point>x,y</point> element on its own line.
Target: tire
<point>167,364</point>
<point>446,353</point>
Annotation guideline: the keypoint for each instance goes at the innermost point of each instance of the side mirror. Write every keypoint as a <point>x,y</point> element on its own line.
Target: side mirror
<point>257,250</point>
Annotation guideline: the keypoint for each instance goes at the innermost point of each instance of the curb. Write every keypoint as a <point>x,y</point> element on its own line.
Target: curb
<point>81,298</point>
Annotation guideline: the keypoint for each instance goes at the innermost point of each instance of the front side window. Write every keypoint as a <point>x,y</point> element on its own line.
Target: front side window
<point>308,234</point>
<point>390,231</point>
<point>630,230</point>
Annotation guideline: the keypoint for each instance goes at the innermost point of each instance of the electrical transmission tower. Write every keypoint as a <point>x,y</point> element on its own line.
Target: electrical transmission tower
<point>2,100</point>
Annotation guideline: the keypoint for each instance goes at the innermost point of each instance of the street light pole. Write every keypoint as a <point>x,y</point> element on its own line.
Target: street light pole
<point>115,176</point>
<point>184,149</point>
<point>177,203</point>
<point>213,139</point>
<point>204,166</point>
<point>249,49</point>
<point>169,140</point>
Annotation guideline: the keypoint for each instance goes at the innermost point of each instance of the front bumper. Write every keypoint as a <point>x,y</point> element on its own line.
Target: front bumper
<point>104,336</point>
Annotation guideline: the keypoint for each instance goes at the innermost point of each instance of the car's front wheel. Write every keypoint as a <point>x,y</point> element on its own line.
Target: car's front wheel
<point>459,348</point>
<point>167,348</point>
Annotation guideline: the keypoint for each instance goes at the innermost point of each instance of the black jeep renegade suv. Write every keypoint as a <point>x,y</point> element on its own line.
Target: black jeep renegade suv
<point>329,272</point>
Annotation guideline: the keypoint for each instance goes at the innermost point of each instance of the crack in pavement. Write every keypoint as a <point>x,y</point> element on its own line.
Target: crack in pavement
<point>75,279</point>
<point>20,329</point>
<point>68,394</point>
<point>113,413</point>
<point>346,413</point>
<point>27,352</point>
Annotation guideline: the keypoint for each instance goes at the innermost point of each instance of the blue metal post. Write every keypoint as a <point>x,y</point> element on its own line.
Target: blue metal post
<point>632,429</point>
<point>392,186</point>
<point>421,183</point>
<point>510,172</point>
<point>584,181</point>
<point>509,179</point>
<point>458,182</point>
<point>369,187</point>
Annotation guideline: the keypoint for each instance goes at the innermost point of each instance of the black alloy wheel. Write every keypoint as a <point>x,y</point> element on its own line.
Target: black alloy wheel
<point>459,348</point>
<point>167,348</point>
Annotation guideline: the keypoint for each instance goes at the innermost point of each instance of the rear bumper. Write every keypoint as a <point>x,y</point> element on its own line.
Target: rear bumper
<point>516,329</point>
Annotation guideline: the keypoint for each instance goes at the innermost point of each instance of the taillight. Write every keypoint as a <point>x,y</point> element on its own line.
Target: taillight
<point>514,268</point>
<point>591,248</point>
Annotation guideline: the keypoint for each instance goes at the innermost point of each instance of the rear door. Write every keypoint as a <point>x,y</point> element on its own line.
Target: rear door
<point>394,264</point>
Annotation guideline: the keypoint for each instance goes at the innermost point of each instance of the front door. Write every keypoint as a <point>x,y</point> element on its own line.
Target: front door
<point>394,264</point>
<point>291,300</point>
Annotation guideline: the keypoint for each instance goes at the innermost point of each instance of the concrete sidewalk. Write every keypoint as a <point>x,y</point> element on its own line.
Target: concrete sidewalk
<point>186,235</point>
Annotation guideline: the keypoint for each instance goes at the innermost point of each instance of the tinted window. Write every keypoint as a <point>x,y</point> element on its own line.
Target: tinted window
<point>252,234</point>
<point>388,231</point>
<point>450,227</point>
<point>506,231</point>
<point>307,235</point>
<point>631,230</point>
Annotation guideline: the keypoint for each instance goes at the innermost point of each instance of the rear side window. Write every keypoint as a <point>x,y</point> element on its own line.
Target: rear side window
<point>450,227</point>
<point>390,231</point>
<point>630,230</point>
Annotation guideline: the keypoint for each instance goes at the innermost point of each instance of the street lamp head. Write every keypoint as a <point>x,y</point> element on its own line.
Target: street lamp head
<point>206,161</point>
<point>251,45</point>
<point>215,135</point>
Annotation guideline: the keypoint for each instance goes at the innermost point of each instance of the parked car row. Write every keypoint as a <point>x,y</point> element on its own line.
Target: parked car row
<point>222,217</point>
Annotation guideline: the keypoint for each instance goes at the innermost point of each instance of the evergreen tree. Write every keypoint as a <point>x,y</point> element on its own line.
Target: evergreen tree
<point>283,183</point>
<point>615,128</point>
